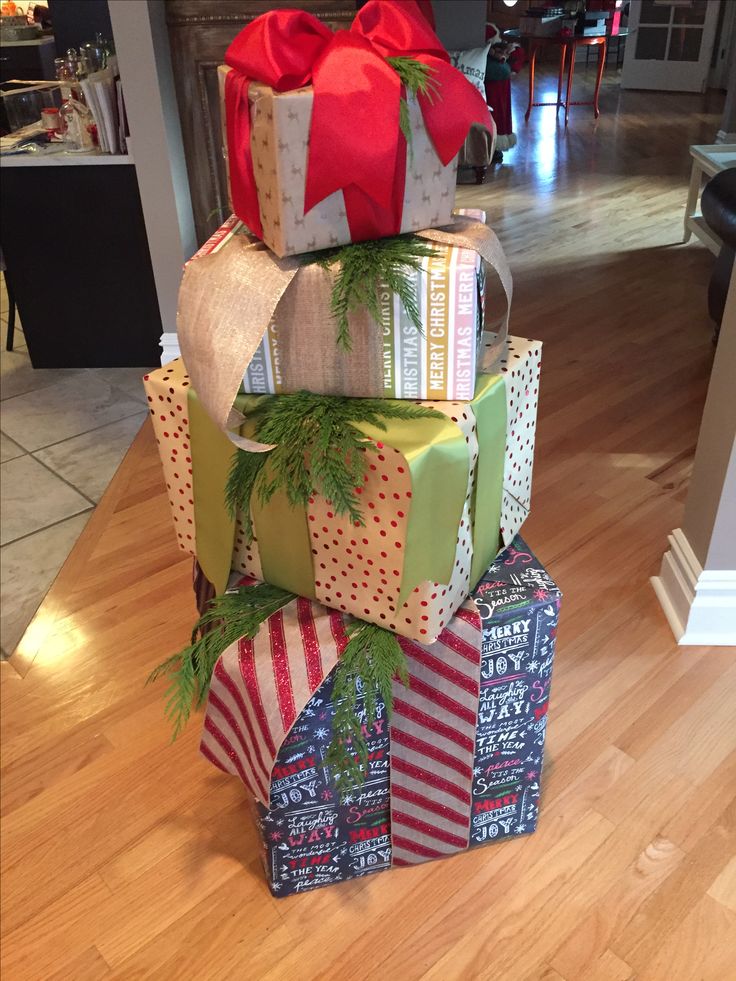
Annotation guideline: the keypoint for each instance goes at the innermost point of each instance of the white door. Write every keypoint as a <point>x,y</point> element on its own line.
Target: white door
<point>670,44</point>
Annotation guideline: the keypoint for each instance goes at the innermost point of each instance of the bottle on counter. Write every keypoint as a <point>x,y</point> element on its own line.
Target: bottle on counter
<point>77,125</point>
<point>67,73</point>
<point>50,117</point>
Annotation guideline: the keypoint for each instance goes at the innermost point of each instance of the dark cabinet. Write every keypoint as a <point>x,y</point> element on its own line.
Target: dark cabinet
<point>77,257</point>
<point>25,60</point>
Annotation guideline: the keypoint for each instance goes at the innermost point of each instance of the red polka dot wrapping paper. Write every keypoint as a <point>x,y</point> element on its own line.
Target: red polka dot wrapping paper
<point>359,570</point>
<point>167,392</point>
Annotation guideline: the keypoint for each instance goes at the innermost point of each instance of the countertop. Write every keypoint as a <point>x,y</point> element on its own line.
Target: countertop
<point>62,159</point>
<point>33,42</point>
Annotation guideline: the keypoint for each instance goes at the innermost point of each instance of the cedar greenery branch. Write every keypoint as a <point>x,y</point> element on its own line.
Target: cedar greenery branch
<point>369,663</point>
<point>364,269</point>
<point>417,79</point>
<point>228,618</point>
<point>318,449</point>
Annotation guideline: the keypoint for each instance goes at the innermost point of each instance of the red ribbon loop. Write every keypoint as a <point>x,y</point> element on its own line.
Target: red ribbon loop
<point>355,142</point>
<point>279,48</point>
<point>398,29</point>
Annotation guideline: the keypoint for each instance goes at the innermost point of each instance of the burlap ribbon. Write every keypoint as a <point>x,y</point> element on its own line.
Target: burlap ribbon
<point>218,332</point>
<point>467,233</point>
<point>221,326</point>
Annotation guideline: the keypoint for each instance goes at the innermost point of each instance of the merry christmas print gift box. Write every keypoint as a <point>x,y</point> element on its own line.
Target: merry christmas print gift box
<point>437,496</point>
<point>317,157</point>
<point>458,764</point>
<point>423,344</point>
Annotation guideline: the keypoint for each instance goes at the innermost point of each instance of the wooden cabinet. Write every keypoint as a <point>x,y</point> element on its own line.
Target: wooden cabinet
<point>200,32</point>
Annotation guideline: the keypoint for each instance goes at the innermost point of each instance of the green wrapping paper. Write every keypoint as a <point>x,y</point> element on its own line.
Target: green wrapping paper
<point>441,488</point>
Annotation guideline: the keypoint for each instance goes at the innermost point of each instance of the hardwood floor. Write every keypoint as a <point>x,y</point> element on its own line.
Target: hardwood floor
<point>126,856</point>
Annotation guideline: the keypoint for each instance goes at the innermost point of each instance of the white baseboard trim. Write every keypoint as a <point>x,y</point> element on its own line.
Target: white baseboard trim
<point>699,604</point>
<point>169,345</point>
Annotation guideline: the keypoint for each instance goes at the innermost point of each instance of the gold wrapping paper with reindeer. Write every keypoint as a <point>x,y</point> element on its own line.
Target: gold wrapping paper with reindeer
<point>280,125</point>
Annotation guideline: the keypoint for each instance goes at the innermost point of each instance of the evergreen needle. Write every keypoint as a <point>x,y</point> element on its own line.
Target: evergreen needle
<point>318,449</point>
<point>415,76</point>
<point>229,617</point>
<point>363,269</point>
<point>371,660</point>
<point>405,127</point>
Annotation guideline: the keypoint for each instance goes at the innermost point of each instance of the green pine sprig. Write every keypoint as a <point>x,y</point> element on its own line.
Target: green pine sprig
<point>244,472</point>
<point>229,617</point>
<point>366,268</point>
<point>416,78</point>
<point>405,127</point>
<point>317,449</point>
<point>372,658</point>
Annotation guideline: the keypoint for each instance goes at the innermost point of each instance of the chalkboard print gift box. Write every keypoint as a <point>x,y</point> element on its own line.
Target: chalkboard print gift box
<point>458,765</point>
<point>298,342</point>
<point>519,605</point>
<point>317,157</point>
<point>439,496</point>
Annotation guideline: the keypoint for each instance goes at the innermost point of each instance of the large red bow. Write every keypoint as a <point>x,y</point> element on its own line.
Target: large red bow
<point>355,142</point>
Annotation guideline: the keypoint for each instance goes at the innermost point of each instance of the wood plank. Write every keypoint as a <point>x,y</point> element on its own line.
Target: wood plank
<point>701,947</point>
<point>723,889</point>
<point>664,912</point>
<point>580,955</point>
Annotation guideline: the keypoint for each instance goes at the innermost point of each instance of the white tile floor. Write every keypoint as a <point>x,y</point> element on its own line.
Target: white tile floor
<point>63,433</point>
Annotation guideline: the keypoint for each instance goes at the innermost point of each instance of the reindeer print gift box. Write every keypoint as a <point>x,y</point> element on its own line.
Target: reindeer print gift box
<point>362,127</point>
<point>457,766</point>
<point>280,124</point>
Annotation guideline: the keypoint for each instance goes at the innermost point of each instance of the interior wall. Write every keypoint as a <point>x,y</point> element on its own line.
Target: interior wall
<point>460,24</point>
<point>145,69</point>
<point>727,131</point>
<point>76,22</point>
<point>724,47</point>
<point>722,550</point>
<point>709,523</point>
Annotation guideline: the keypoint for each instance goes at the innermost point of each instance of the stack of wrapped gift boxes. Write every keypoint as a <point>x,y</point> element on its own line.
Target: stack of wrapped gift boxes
<point>347,445</point>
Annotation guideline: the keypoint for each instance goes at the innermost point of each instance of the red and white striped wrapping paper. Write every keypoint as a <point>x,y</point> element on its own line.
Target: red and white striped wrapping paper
<point>260,687</point>
<point>433,742</point>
